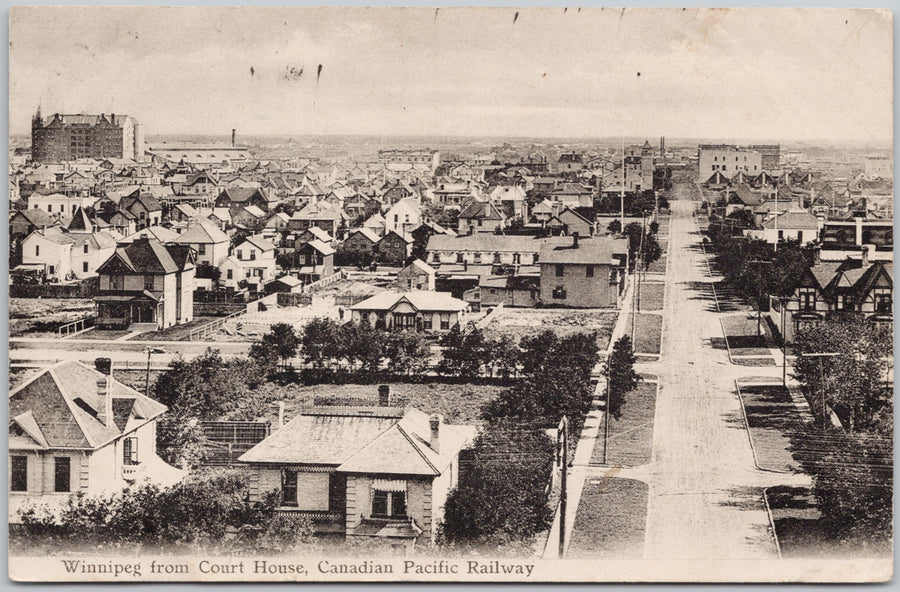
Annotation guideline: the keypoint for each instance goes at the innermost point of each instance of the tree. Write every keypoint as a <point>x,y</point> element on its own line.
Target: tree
<point>406,352</point>
<point>501,499</point>
<point>320,341</point>
<point>283,341</point>
<point>854,382</point>
<point>360,343</point>
<point>621,375</point>
<point>464,354</point>
<point>615,226</point>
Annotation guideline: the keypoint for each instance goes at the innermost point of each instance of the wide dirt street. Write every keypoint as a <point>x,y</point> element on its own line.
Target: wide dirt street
<point>705,491</point>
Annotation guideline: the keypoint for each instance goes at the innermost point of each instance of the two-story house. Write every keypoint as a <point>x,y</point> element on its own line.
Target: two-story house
<point>147,283</point>
<point>582,273</point>
<point>314,260</point>
<point>146,208</point>
<point>394,248</point>
<point>380,472</point>
<point>76,429</point>
<point>252,260</point>
<point>418,275</point>
<point>210,243</point>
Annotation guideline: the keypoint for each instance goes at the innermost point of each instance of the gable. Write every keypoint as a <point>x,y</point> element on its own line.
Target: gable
<point>115,265</point>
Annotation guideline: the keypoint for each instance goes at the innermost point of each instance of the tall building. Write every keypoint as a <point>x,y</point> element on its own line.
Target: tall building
<point>60,138</point>
<point>728,159</point>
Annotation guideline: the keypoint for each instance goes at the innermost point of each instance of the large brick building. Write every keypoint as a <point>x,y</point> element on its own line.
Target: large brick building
<point>59,138</point>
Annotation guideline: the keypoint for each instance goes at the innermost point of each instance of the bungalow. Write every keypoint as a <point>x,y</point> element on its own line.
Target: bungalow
<point>795,225</point>
<point>418,310</point>
<point>372,472</point>
<point>210,243</point>
<point>147,283</point>
<point>582,273</point>
<point>75,429</point>
<point>418,275</point>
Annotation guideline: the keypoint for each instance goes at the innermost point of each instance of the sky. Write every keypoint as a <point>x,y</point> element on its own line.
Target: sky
<point>766,74</point>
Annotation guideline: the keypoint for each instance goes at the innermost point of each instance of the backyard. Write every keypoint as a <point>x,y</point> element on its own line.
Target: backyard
<point>528,322</point>
<point>611,519</point>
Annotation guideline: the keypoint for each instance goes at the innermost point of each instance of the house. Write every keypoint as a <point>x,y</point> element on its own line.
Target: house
<point>252,260</point>
<point>285,283</point>
<point>313,233</point>
<point>418,310</point>
<point>511,199</point>
<point>847,238</point>
<point>235,198</point>
<point>59,204</point>
<point>21,224</point>
<point>123,222</point>
<point>182,213</point>
<point>360,245</point>
<point>403,216</point>
<point>277,222</point>
<point>854,286</point>
<point>418,275</point>
<point>76,429</point>
<point>314,260</point>
<point>147,283</point>
<point>582,273</point>
<point>249,217</point>
<point>795,225</point>
<point>569,162</point>
<point>158,233</point>
<point>51,248</point>
<point>323,216</point>
<point>574,195</point>
<point>144,207</point>
<point>480,216</point>
<point>376,223</point>
<point>210,243</point>
<point>394,248</point>
<point>483,248</point>
<point>571,222</point>
<point>376,472</point>
<point>509,290</point>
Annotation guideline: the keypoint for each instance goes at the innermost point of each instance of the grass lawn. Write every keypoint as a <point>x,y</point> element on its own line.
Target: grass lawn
<point>41,317</point>
<point>611,519</point>
<point>659,266</point>
<point>528,322</point>
<point>771,415</point>
<point>630,436</point>
<point>652,295</point>
<point>801,533</point>
<point>755,362</point>
<point>176,333</point>
<point>458,403</point>
<point>102,334</point>
<point>648,333</point>
<point>743,338</point>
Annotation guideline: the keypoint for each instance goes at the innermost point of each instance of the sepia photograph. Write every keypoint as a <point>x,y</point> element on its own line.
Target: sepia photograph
<point>456,294</point>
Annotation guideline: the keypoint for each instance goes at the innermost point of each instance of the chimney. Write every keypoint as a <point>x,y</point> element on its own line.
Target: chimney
<point>864,251</point>
<point>104,402</point>
<point>575,240</point>
<point>103,366</point>
<point>435,422</point>
<point>233,132</point>
<point>817,255</point>
<point>384,395</point>
<point>280,413</point>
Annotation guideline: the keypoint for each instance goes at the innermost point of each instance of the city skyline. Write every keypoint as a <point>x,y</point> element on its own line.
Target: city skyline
<point>638,72</point>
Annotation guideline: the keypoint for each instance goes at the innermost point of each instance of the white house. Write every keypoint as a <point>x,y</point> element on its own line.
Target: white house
<point>252,260</point>
<point>403,216</point>
<point>57,203</point>
<point>207,239</point>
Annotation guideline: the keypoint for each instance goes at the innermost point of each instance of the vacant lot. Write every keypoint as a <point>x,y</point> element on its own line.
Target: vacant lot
<point>648,333</point>
<point>771,415</point>
<point>611,519</point>
<point>630,436</point>
<point>38,317</point>
<point>528,322</point>
<point>652,295</point>
<point>458,403</point>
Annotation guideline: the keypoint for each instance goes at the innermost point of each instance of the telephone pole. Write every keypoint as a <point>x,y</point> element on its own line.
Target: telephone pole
<point>563,441</point>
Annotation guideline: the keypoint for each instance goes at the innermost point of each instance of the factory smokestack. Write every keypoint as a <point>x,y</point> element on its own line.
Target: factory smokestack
<point>233,132</point>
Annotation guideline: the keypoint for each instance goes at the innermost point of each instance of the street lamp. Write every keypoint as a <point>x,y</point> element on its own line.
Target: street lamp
<point>150,350</point>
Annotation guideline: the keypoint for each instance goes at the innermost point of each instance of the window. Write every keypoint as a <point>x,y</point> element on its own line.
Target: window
<point>589,271</point>
<point>148,283</point>
<point>52,269</point>
<point>19,473</point>
<point>559,293</point>
<point>252,255</point>
<point>426,321</point>
<point>780,235</point>
<point>49,208</point>
<point>37,250</point>
<point>229,274</point>
<point>62,473</point>
<point>883,301</point>
<point>288,487</point>
<point>240,255</point>
<point>496,257</point>
<point>130,451</point>
<point>116,282</point>
<point>560,271</point>
<point>807,299</point>
<point>84,266</point>
<point>445,321</point>
<point>85,248</point>
<point>477,258</point>
<point>388,504</point>
<point>201,249</point>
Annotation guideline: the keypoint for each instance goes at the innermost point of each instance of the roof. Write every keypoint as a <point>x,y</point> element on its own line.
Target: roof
<point>485,242</point>
<point>202,231</point>
<point>320,234</point>
<point>324,248</point>
<point>242,194</point>
<point>160,233</point>
<point>254,211</point>
<point>423,300</point>
<point>145,255</point>
<point>370,440</point>
<point>793,219</point>
<point>59,407</point>
<point>36,217</point>
<point>422,265</point>
<point>366,232</point>
<point>598,250</point>
<point>260,242</point>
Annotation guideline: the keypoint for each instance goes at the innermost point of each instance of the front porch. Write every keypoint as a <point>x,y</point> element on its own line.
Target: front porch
<point>122,311</point>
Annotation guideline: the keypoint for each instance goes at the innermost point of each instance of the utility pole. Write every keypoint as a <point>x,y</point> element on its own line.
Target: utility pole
<point>150,350</point>
<point>606,414</point>
<point>622,192</point>
<point>821,356</point>
<point>563,438</point>
<point>641,253</point>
